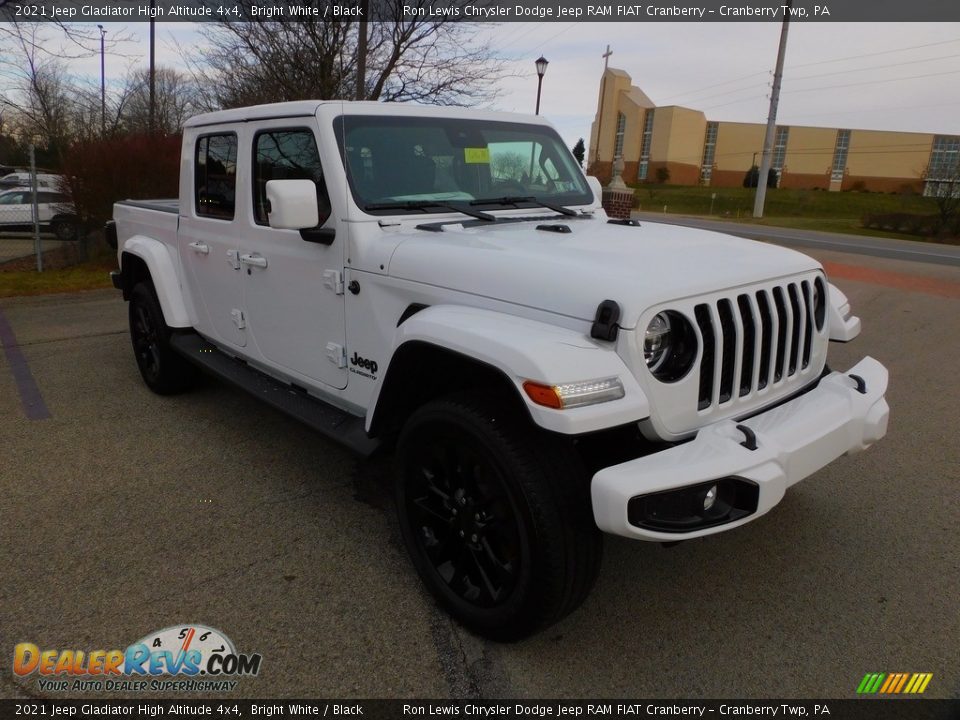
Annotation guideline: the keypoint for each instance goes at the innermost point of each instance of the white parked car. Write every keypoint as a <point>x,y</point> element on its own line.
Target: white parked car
<point>444,284</point>
<point>55,211</point>
<point>22,179</point>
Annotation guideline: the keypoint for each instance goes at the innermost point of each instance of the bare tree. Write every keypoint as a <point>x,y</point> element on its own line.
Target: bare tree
<point>42,101</point>
<point>175,101</point>
<point>419,59</point>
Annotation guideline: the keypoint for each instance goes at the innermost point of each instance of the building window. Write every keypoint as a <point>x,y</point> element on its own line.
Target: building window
<point>943,170</point>
<point>709,150</point>
<point>618,142</point>
<point>780,148</point>
<point>840,155</point>
<point>645,145</point>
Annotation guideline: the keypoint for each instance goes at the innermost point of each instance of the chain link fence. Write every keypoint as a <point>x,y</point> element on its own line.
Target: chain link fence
<point>39,228</point>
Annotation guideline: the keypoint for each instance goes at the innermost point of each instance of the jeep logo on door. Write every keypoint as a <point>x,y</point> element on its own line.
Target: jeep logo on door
<point>363,366</point>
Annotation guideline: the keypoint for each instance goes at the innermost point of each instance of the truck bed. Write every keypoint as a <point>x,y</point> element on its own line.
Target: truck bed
<point>155,219</point>
<point>167,205</point>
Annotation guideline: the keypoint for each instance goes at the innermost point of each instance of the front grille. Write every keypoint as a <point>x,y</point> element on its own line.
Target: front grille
<point>753,340</point>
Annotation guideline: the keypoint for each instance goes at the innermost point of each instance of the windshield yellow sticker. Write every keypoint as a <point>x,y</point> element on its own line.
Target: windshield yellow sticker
<point>477,155</point>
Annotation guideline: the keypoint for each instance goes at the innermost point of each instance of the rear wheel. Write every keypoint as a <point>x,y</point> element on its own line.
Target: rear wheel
<point>496,516</point>
<point>163,370</point>
<point>64,229</point>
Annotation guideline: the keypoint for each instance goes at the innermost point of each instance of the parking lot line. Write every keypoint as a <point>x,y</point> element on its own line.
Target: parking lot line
<point>30,396</point>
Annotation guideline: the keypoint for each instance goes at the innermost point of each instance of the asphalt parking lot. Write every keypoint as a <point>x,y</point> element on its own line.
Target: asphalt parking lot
<point>18,245</point>
<point>124,512</point>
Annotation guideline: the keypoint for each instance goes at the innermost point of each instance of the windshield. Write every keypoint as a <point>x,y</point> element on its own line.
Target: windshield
<point>413,161</point>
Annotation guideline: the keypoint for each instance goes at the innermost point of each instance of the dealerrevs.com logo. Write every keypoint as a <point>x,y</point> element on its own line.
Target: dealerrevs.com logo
<point>200,658</point>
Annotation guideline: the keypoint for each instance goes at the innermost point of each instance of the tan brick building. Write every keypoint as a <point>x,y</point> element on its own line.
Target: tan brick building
<point>695,150</point>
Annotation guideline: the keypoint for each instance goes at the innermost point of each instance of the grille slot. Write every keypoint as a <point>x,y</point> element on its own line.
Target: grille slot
<point>753,340</point>
<point>702,314</point>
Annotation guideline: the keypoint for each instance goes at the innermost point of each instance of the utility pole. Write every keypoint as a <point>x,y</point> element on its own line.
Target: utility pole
<point>103,86</point>
<point>767,157</point>
<point>362,52</point>
<point>153,73</point>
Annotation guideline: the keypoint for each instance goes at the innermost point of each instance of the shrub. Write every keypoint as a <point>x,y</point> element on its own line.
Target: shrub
<point>100,172</point>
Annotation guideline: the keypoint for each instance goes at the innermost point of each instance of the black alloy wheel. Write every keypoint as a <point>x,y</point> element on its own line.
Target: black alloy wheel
<point>495,514</point>
<point>163,370</point>
<point>468,525</point>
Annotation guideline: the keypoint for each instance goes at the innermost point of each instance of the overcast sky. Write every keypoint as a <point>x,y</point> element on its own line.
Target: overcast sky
<point>884,76</point>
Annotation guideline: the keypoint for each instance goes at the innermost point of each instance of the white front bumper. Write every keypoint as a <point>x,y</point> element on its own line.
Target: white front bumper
<point>794,440</point>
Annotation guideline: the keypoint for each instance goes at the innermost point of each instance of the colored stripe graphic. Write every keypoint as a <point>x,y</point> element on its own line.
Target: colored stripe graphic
<point>30,397</point>
<point>894,683</point>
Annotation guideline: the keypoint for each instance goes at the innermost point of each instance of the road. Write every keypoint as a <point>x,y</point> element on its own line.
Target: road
<point>911,250</point>
<point>124,512</point>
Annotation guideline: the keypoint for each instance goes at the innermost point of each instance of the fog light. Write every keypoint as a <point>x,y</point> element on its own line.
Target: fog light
<point>710,498</point>
<point>695,507</point>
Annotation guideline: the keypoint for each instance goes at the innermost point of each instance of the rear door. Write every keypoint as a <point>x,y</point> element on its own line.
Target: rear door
<point>293,288</point>
<point>208,237</point>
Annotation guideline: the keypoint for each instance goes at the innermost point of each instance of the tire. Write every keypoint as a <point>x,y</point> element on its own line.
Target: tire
<point>64,229</point>
<point>508,547</point>
<point>163,370</point>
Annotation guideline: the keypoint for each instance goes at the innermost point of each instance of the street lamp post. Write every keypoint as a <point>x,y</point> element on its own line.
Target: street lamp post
<point>541,63</point>
<point>103,86</point>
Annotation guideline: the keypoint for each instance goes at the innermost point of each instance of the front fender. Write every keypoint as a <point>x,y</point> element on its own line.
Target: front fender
<point>164,274</point>
<point>523,349</point>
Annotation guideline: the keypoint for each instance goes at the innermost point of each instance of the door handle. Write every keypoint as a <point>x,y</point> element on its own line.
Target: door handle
<point>254,259</point>
<point>200,247</point>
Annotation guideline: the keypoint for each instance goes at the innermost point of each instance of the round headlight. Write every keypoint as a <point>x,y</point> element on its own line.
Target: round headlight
<point>656,341</point>
<point>669,346</point>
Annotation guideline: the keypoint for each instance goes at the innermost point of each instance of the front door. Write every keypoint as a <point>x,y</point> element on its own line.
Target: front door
<point>293,291</point>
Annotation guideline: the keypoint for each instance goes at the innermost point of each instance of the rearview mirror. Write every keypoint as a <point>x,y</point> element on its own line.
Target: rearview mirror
<point>292,204</point>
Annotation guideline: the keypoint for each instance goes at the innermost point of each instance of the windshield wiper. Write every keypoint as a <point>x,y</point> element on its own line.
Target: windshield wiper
<point>424,204</point>
<point>516,199</point>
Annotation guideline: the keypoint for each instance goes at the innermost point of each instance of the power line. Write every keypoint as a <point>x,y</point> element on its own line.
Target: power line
<point>882,52</point>
<point>872,82</point>
<point>716,85</point>
<point>553,37</point>
<point>875,67</point>
<point>690,93</point>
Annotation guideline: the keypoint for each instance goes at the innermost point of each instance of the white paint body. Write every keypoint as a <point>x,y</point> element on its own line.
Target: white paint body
<point>516,298</point>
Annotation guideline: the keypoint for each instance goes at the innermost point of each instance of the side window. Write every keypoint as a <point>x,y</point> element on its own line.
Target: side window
<point>215,176</point>
<point>17,198</point>
<point>286,155</point>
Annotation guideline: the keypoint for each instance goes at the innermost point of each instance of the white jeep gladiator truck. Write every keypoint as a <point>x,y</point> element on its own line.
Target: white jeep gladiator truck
<point>444,284</point>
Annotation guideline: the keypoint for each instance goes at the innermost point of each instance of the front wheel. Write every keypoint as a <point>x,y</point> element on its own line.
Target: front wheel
<point>163,370</point>
<point>496,516</point>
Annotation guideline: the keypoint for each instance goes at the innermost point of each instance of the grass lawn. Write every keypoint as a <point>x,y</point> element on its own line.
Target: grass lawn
<point>90,275</point>
<point>804,209</point>
<point>779,203</point>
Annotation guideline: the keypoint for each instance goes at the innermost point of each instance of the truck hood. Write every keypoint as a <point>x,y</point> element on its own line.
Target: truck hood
<point>571,273</point>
